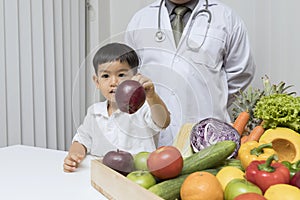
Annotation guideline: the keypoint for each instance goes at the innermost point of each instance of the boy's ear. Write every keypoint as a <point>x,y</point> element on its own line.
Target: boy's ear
<point>96,81</point>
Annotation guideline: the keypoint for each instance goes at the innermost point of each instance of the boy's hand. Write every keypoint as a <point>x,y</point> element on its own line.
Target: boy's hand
<point>72,161</point>
<point>146,83</point>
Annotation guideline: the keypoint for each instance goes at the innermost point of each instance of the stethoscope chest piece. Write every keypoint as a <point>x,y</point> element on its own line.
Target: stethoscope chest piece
<point>160,36</point>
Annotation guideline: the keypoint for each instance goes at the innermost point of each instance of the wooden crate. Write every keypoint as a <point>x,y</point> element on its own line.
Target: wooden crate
<point>116,186</point>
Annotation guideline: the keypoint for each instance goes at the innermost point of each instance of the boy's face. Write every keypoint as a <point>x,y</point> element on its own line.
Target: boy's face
<point>110,75</point>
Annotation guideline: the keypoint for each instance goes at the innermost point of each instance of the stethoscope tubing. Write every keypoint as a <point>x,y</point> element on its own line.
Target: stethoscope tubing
<point>160,35</point>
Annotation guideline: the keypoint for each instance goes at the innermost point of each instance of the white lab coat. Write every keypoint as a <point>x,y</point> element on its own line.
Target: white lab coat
<point>194,84</point>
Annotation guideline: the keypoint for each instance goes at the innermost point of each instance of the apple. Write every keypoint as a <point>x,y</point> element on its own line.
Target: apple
<point>120,161</point>
<point>250,196</point>
<point>143,178</point>
<point>140,160</point>
<point>130,96</point>
<point>295,181</point>
<point>239,186</point>
<point>165,162</point>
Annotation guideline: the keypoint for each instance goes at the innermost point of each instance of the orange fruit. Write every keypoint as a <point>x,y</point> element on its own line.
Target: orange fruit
<point>201,186</point>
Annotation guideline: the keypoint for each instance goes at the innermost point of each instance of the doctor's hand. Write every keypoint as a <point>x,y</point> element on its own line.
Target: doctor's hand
<point>146,83</point>
<point>72,161</point>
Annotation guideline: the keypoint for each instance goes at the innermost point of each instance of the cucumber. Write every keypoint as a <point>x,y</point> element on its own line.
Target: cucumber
<point>209,157</point>
<point>231,162</point>
<point>213,171</point>
<point>169,189</point>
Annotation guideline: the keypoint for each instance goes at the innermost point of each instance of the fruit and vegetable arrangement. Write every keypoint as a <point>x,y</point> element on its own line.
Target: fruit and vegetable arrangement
<point>255,157</point>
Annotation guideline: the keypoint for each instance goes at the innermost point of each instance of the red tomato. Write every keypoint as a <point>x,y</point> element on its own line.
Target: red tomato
<point>250,196</point>
<point>165,162</point>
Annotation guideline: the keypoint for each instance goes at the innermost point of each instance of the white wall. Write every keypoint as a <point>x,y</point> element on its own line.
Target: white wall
<point>273,27</point>
<point>42,87</point>
<point>122,11</point>
<point>274,30</point>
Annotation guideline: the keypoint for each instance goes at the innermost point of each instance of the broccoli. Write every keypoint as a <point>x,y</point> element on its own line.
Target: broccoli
<point>279,110</point>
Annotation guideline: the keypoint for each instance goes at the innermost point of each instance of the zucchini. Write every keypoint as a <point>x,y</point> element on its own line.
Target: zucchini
<point>169,189</point>
<point>210,157</point>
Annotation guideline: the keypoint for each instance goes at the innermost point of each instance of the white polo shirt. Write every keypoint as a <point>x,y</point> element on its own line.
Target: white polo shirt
<point>101,133</point>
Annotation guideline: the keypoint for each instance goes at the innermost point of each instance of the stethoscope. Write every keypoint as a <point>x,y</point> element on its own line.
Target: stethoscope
<point>161,36</point>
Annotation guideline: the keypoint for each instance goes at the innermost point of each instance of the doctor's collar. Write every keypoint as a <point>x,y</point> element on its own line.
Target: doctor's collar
<point>170,5</point>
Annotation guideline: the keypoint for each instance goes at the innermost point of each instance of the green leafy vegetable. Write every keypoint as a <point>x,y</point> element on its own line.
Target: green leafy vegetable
<point>246,100</point>
<point>279,110</point>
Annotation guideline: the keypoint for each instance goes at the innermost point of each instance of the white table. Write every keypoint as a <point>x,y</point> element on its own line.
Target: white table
<point>35,173</point>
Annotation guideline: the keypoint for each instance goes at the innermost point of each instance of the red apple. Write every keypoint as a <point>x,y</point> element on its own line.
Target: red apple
<point>250,196</point>
<point>120,161</point>
<point>165,162</point>
<point>130,96</point>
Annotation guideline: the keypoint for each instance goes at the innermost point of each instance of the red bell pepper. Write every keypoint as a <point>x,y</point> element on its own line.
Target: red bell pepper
<point>264,173</point>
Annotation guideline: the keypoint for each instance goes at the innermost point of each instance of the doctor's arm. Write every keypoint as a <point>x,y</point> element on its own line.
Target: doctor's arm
<point>239,62</point>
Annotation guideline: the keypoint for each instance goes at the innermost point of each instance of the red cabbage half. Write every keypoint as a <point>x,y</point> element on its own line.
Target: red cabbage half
<point>210,131</point>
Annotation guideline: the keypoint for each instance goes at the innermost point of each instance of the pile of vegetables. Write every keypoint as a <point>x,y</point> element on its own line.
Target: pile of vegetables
<point>262,144</point>
<point>279,110</point>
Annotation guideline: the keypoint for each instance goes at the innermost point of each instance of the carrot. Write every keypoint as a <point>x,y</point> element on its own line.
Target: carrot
<point>244,139</point>
<point>241,122</point>
<point>256,133</point>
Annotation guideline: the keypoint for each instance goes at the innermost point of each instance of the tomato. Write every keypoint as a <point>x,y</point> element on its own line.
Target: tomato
<point>239,186</point>
<point>165,162</point>
<point>249,196</point>
<point>142,177</point>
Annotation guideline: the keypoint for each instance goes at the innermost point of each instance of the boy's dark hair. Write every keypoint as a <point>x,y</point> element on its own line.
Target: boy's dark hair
<point>116,52</point>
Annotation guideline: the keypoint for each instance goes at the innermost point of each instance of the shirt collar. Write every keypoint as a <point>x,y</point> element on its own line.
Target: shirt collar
<point>170,5</point>
<point>100,108</point>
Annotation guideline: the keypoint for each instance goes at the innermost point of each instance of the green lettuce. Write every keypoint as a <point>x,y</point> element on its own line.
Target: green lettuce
<point>279,110</point>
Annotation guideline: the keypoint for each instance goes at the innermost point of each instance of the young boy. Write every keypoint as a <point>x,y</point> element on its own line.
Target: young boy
<point>105,127</point>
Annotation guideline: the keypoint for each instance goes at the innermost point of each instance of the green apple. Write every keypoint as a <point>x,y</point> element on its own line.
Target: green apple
<point>142,177</point>
<point>239,186</point>
<point>140,160</point>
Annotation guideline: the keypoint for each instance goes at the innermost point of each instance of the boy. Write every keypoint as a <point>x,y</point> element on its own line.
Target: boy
<point>105,127</point>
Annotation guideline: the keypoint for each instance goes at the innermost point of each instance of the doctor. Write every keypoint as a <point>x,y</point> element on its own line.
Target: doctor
<point>198,76</point>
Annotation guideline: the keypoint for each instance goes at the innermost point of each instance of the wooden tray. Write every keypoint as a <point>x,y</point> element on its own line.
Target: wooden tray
<point>115,186</point>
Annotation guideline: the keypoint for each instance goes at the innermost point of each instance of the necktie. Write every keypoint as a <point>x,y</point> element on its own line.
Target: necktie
<point>177,23</point>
